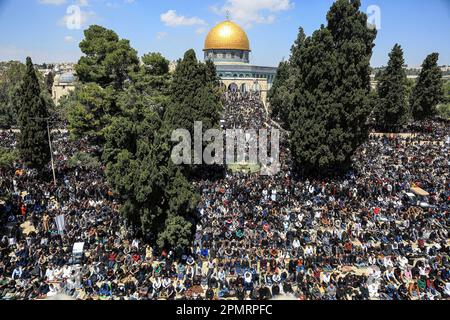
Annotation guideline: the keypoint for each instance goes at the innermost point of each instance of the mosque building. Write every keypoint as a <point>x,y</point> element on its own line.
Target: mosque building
<point>63,85</point>
<point>228,46</point>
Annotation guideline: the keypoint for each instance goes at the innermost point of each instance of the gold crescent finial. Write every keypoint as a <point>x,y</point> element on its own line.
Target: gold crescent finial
<point>228,15</point>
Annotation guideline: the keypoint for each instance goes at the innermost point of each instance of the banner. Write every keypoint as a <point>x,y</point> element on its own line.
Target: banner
<point>60,223</point>
<point>78,248</point>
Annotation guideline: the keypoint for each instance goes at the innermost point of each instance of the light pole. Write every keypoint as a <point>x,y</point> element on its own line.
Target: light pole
<point>51,152</point>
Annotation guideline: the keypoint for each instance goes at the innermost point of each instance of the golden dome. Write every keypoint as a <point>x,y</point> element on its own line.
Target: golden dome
<point>227,35</point>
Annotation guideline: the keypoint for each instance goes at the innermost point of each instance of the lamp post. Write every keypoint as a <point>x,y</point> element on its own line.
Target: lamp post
<point>51,152</point>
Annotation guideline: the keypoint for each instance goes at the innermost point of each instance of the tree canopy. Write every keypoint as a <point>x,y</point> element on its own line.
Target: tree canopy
<point>331,104</point>
<point>194,95</point>
<point>428,92</point>
<point>281,95</point>
<point>107,59</point>
<point>392,108</point>
<point>32,117</point>
<point>10,78</point>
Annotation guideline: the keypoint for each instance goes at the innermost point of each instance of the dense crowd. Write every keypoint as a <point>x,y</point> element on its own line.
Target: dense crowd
<point>373,234</point>
<point>244,111</point>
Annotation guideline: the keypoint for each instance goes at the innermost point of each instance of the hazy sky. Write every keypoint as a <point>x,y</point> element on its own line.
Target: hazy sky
<point>45,30</point>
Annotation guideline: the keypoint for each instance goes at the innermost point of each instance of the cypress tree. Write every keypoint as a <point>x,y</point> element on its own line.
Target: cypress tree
<point>281,94</point>
<point>295,58</point>
<point>313,140</point>
<point>49,80</point>
<point>428,92</point>
<point>353,42</point>
<point>332,91</point>
<point>158,200</point>
<point>10,78</point>
<point>193,95</point>
<point>392,109</point>
<point>211,73</point>
<point>32,116</point>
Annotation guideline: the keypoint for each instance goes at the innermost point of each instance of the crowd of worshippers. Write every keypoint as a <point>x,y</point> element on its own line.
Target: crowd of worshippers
<point>244,111</point>
<point>363,236</point>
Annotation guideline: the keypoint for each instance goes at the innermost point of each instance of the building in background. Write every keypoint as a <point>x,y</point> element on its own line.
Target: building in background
<point>63,84</point>
<point>228,46</point>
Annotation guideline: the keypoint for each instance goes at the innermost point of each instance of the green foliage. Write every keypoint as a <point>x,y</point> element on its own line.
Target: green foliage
<point>443,111</point>
<point>410,84</point>
<point>32,117</point>
<point>354,42</point>
<point>296,57</point>
<point>176,233</point>
<point>108,60</point>
<point>155,64</point>
<point>89,111</point>
<point>157,198</point>
<point>8,158</point>
<point>84,160</point>
<point>152,81</point>
<point>49,79</point>
<point>109,72</point>
<point>428,92</point>
<point>211,74</point>
<point>11,75</point>
<point>332,102</point>
<point>447,91</point>
<point>392,108</point>
<point>194,95</point>
<point>281,95</point>
<point>314,138</point>
<point>139,170</point>
<point>131,110</point>
<point>13,72</point>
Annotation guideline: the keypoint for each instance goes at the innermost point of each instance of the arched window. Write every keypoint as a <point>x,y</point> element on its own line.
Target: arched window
<point>233,87</point>
<point>256,87</point>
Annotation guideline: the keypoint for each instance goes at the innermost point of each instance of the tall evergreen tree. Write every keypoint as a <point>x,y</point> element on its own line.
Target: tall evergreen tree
<point>194,95</point>
<point>155,64</point>
<point>353,42</point>
<point>329,120</point>
<point>32,116</point>
<point>314,140</point>
<point>49,79</point>
<point>90,111</point>
<point>428,92</point>
<point>10,78</point>
<point>108,60</point>
<point>281,94</point>
<point>105,70</point>
<point>295,57</point>
<point>211,73</point>
<point>392,109</point>
<point>152,82</point>
<point>157,198</point>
